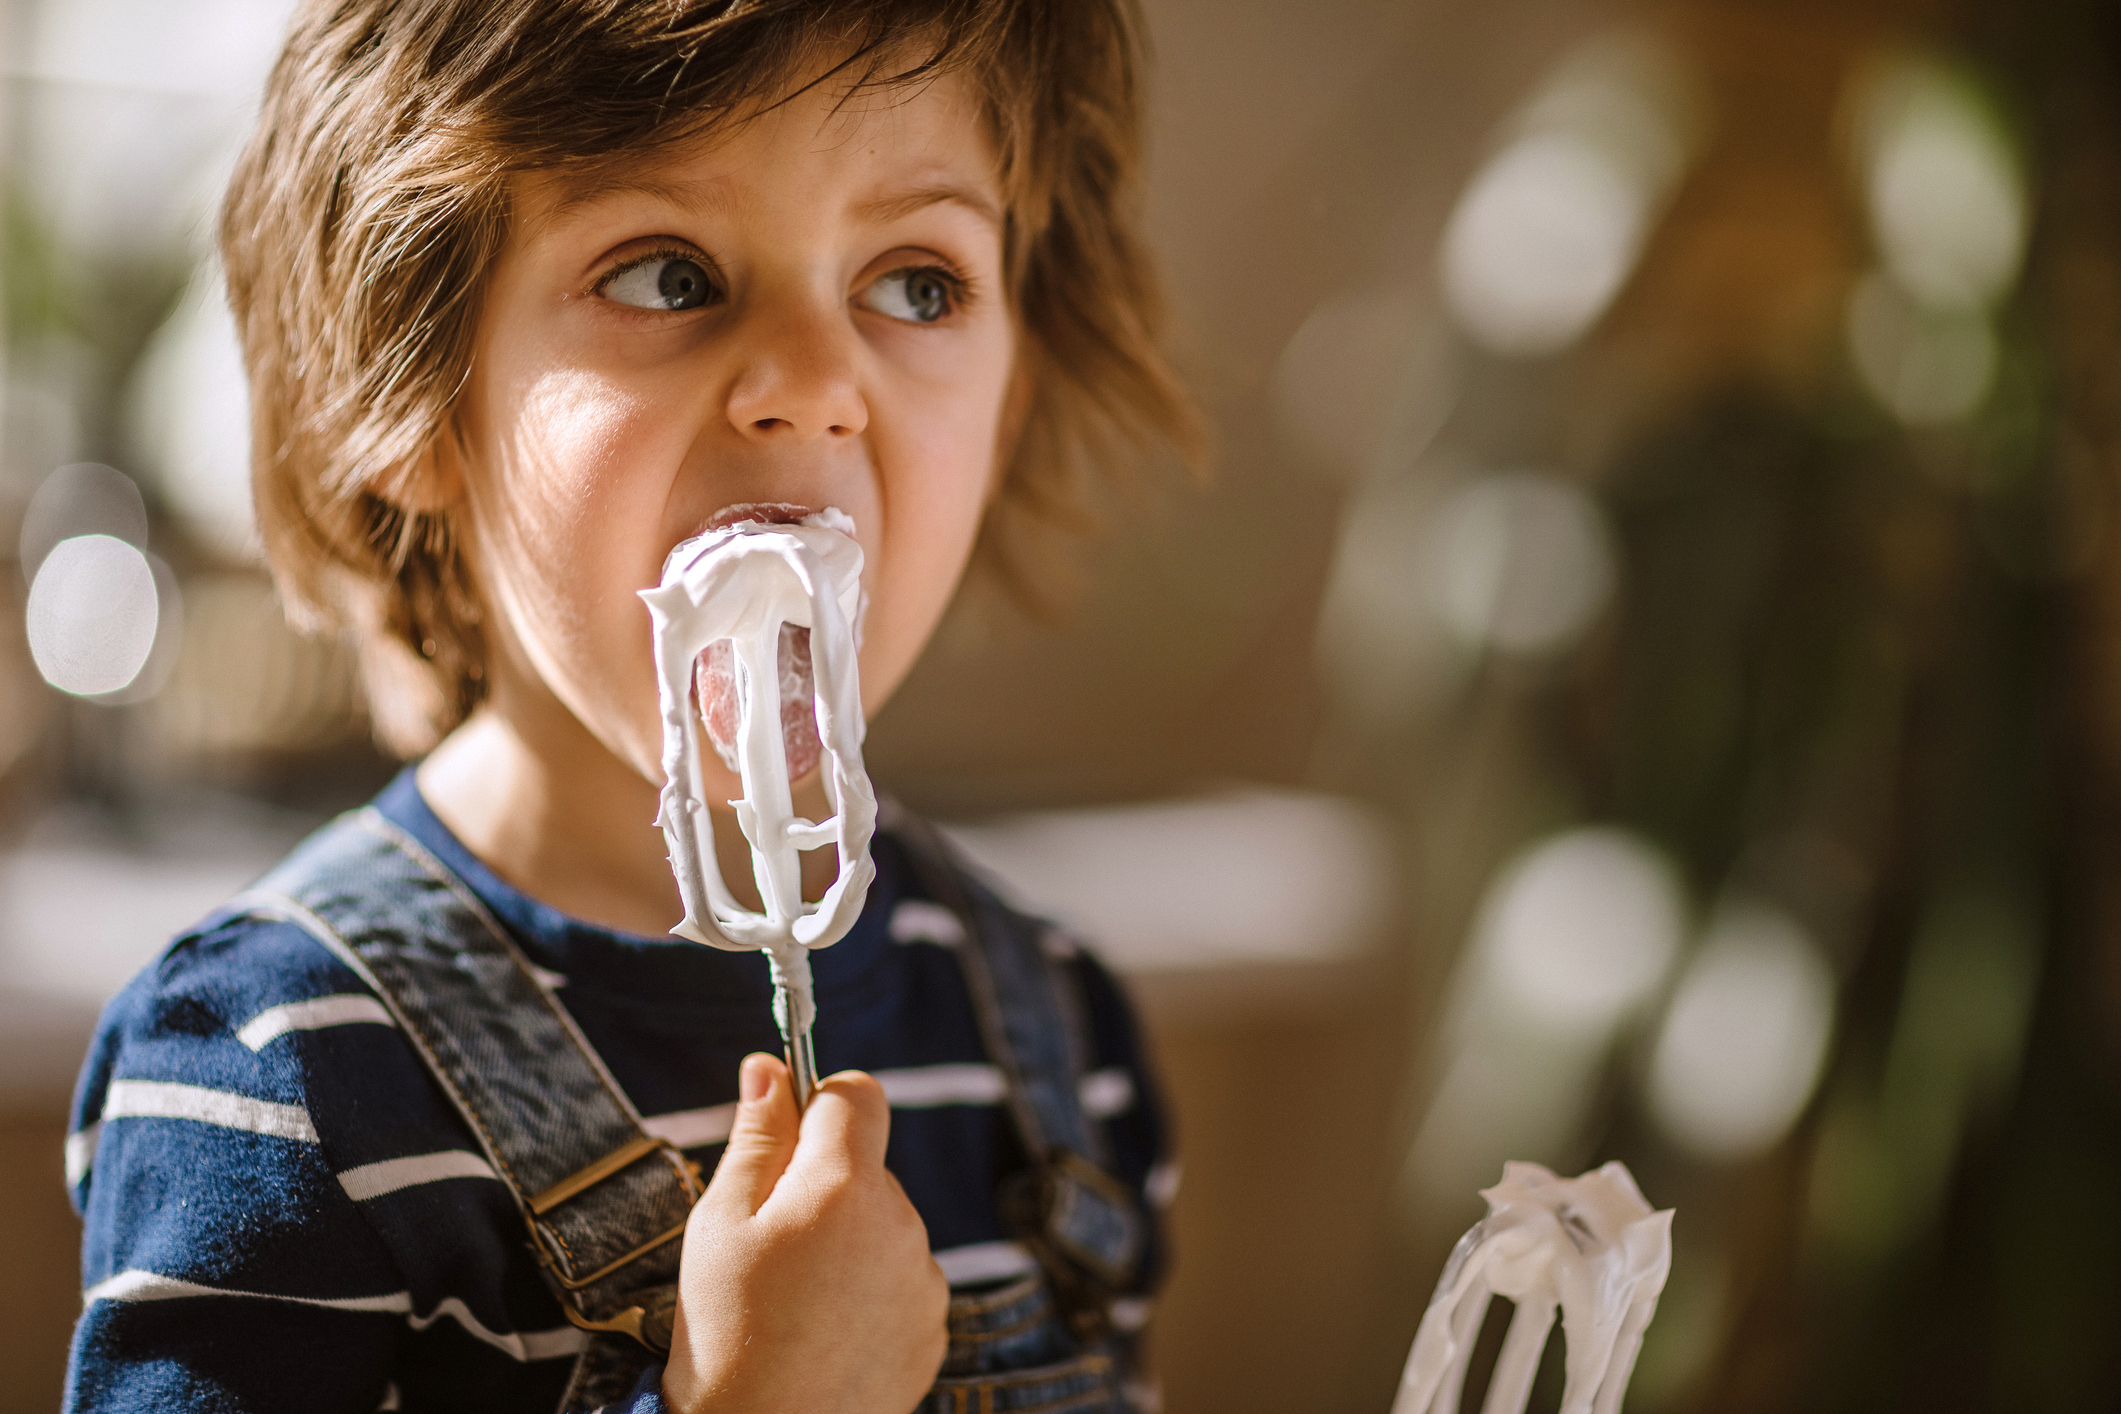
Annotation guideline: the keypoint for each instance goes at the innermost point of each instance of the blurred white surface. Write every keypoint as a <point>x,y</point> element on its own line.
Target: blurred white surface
<point>1257,877</point>
<point>86,498</point>
<point>83,907</point>
<point>1543,240</point>
<point>206,48</point>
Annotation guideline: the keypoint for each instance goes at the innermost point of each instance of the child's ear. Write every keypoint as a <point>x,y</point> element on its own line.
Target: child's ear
<point>433,481</point>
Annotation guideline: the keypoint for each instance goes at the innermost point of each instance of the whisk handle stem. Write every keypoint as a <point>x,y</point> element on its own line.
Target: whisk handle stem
<point>802,1066</point>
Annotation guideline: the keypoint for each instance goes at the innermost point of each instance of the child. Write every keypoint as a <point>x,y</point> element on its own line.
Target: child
<point>531,291</point>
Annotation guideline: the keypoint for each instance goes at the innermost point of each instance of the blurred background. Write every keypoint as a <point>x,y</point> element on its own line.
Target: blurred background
<point>1644,681</point>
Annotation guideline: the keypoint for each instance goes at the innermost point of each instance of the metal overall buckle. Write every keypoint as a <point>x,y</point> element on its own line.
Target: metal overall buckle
<point>1085,1230</point>
<point>650,1320</point>
<point>1090,1218</point>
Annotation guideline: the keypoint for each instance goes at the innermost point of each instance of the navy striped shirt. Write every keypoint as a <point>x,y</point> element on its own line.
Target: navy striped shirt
<point>284,1212</point>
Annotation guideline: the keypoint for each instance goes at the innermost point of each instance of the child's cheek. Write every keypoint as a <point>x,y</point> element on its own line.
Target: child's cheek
<point>582,467</point>
<point>582,426</point>
<point>572,507</point>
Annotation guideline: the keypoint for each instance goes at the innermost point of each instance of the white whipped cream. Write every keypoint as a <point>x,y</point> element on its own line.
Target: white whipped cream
<point>1588,1245</point>
<point>742,584</point>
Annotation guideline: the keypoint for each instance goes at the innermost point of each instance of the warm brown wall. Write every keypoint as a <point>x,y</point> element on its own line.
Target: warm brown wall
<point>39,1247</point>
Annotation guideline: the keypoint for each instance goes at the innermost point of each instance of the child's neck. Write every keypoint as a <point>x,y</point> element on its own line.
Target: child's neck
<point>555,813</point>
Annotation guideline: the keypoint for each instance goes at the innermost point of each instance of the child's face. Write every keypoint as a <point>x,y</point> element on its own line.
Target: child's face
<point>808,310</point>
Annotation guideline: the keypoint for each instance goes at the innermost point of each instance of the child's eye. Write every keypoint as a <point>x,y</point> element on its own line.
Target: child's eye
<point>919,295</point>
<point>661,282</point>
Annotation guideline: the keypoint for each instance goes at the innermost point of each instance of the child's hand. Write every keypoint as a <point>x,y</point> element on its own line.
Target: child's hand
<point>806,1281</point>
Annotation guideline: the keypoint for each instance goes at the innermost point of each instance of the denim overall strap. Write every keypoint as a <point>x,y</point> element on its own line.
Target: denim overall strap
<point>1082,1225</point>
<point>605,1201</point>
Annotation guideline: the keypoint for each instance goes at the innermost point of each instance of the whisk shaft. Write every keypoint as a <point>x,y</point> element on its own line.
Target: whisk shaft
<point>802,1064</point>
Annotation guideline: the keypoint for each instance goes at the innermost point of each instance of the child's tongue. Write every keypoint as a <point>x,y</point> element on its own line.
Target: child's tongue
<point>714,675</point>
<point>714,680</point>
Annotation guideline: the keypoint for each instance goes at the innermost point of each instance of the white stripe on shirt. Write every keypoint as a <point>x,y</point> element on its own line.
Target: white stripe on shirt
<point>1130,1313</point>
<point>1105,1093</point>
<point>523,1345</point>
<point>985,1261</point>
<point>926,1086</point>
<point>1162,1184</point>
<point>919,921</point>
<point>689,1129</point>
<point>163,1099</point>
<point>81,1152</point>
<point>153,1286</point>
<point>375,1180</point>
<point>344,1010</point>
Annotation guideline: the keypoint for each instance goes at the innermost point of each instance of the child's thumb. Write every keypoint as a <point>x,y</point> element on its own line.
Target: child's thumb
<point>762,1139</point>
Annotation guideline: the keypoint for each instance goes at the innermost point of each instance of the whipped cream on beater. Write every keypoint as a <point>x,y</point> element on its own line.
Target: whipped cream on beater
<point>1588,1246</point>
<point>755,647</point>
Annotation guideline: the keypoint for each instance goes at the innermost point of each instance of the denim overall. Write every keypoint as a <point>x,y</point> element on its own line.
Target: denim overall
<point>606,1202</point>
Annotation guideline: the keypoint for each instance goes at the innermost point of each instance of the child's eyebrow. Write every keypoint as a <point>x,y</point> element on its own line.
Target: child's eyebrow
<point>891,208</point>
<point>575,193</point>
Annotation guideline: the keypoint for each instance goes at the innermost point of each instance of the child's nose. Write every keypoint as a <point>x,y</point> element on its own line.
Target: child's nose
<point>799,379</point>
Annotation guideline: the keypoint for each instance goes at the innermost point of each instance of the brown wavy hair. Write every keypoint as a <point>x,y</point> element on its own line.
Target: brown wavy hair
<point>373,197</point>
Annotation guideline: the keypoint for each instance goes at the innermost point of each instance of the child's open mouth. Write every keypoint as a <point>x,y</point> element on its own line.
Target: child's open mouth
<point>714,682</point>
<point>714,672</point>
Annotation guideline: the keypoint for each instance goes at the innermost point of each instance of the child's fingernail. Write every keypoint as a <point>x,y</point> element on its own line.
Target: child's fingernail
<point>754,1080</point>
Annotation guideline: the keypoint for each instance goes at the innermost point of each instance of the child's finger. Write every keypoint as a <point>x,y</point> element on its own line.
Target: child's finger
<point>761,1141</point>
<point>848,1116</point>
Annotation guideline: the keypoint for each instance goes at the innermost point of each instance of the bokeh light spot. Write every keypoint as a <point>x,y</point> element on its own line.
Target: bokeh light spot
<point>1583,929</point>
<point>1541,242</point>
<point>1946,197</point>
<point>92,614</point>
<point>1520,561</point>
<point>1548,231</point>
<point>1928,366</point>
<point>86,498</point>
<point>1742,1043</point>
